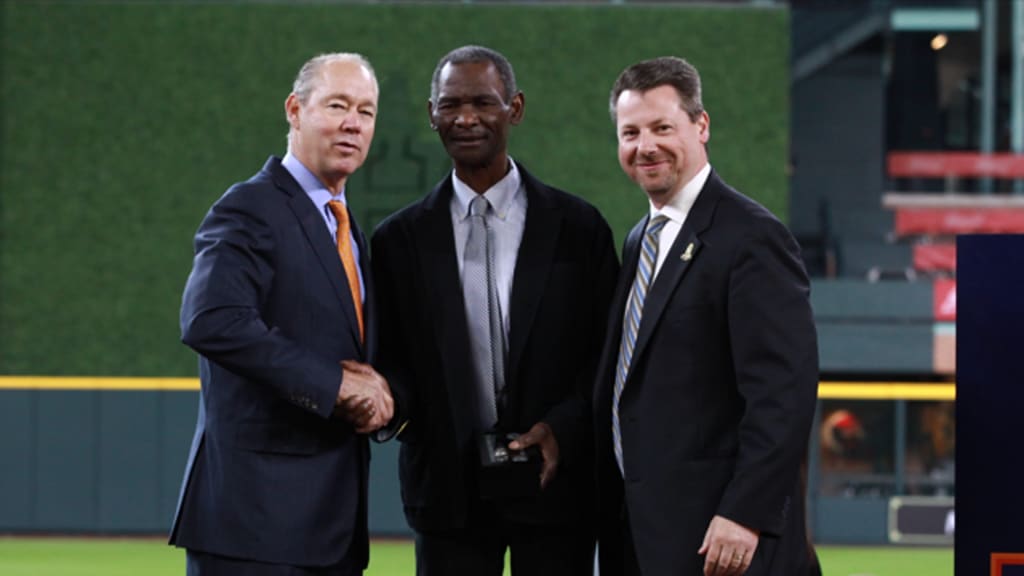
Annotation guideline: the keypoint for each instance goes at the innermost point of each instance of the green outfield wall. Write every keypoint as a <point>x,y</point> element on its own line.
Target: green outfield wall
<point>122,122</point>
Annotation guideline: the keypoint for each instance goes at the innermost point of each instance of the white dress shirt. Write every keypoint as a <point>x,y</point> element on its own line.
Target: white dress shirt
<point>676,211</point>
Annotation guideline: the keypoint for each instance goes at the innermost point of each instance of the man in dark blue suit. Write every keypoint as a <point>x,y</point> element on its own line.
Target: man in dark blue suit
<point>279,307</point>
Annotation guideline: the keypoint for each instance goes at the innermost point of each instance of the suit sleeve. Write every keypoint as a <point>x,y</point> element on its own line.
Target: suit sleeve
<point>232,274</point>
<point>570,418</point>
<point>774,351</point>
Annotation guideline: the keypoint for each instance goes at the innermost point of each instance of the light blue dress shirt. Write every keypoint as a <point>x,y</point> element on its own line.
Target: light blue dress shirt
<point>320,196</point>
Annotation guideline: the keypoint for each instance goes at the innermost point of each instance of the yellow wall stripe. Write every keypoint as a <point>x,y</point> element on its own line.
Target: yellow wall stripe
<point>887,391</point>
<point>95,383</point>
<point>826,390</point>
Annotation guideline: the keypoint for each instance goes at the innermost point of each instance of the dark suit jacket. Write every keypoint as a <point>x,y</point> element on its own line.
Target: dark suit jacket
<point>717,406</point>
<point>564,277</point>
<point>271,475</point>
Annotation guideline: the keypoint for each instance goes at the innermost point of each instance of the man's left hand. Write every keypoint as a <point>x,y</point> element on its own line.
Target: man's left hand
<point>540,435</point>
<point>728,547</point>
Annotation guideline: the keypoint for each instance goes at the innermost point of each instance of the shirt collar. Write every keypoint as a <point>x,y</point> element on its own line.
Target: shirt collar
<point>500,195</point>
<point>679,206</point>
<point>310,184</point>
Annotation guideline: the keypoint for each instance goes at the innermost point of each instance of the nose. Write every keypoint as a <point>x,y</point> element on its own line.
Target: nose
<point>352,122</point>
<point>466,116</point>
<point>646,143</point>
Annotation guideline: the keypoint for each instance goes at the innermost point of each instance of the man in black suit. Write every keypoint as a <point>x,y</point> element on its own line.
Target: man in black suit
<point>279,307</point>
<point>708,379</point>
<point>493,291</point>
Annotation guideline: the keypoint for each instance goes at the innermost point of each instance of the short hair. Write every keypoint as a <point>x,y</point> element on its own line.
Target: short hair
<point>466,54</point>
<point>664,71</point>
<point>305,80</point>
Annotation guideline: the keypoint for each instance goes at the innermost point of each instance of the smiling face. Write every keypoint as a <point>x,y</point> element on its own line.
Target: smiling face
<point>472,116</point>
<point>660,147</point>
<point>332,130</point>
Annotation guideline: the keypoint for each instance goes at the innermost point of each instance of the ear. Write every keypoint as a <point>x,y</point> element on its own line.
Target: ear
<point>291,110</point>
<point>704,122</point>
<point>430,115</point>
<point>518,106</point>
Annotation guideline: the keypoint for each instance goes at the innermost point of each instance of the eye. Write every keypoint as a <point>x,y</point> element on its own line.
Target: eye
<point>628,133</point>
<point>367,113</point>
<point>663,128</point>
<point>336,106</point>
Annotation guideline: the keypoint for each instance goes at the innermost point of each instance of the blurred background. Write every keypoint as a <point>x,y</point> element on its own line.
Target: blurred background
<point>877,129</point>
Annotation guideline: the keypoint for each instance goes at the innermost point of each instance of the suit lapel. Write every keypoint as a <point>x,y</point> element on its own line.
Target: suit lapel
<point>369,305</point>
<point>320,240</point>
<point>533,265</point>
<point>683,253</point>
<point>435,238</point>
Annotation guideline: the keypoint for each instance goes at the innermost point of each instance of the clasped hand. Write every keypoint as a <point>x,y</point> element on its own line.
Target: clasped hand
<point>364,399</point>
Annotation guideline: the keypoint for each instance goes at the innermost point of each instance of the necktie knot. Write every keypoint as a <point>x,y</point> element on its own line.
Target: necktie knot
<point>479,206</point>
<point>656,224</point>
<point>337,208</point>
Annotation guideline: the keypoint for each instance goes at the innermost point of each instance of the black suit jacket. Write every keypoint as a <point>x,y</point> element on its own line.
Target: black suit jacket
<point>564,277</point>
<point>718,402</point>
<point>271,475</point>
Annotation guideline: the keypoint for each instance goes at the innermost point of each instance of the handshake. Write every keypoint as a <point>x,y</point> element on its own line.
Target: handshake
<point>364,399</point>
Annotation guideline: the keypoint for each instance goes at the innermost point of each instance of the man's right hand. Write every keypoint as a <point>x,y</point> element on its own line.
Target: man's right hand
<point>364,398</point>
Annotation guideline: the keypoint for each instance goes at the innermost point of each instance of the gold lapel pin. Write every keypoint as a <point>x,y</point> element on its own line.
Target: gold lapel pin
<point>688,253</point>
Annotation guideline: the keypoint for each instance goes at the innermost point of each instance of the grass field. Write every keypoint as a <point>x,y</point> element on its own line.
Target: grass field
<point>149,557</point>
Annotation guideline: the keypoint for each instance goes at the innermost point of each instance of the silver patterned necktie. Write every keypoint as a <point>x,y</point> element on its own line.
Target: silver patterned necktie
<point>631,322</point>
<point>483,312</point>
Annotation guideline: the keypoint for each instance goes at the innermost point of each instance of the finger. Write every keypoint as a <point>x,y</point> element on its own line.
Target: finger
<point>736,563</point>
<point>724,558</point>
<point>358,407</point>
<point>389,406</point>
<point>547,472</point>
<point>706,544</point>
<point>523,441</point>
<point>710,564</point>
<point>357,402</point>
<point>370,425</point>
<point>527,439</point>
<point>381,404</point>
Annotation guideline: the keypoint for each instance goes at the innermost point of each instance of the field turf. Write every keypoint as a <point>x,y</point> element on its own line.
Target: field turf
<point>23,556</point>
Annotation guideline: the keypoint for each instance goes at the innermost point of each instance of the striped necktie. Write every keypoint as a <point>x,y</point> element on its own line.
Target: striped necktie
<point>631,321</point>
<point>348,259</point>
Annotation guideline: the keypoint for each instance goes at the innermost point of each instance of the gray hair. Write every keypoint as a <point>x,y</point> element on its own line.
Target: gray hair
<point>663,71</point>
<point>305,81</point>
<point>471,53</point>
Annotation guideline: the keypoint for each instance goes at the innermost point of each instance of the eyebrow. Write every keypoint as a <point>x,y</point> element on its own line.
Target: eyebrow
<point>346,96</point>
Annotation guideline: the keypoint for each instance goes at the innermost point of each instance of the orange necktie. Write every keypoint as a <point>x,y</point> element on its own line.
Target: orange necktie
<point>348,260</point>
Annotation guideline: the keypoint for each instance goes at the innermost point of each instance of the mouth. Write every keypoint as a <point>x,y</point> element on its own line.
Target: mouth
<point>347,147</point>
<point>468,139</point>
<point>649,166</point>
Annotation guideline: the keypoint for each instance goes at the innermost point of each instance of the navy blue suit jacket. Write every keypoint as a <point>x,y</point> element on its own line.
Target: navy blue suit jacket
<point>272,476</point>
